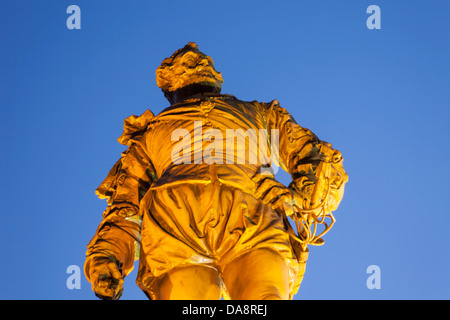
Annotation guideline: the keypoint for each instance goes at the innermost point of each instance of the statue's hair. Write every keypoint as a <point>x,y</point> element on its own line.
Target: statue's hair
<point>191,46</point>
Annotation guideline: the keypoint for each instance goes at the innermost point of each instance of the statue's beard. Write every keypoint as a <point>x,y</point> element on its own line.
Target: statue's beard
<point>191,90</point>
<point>198,75</point>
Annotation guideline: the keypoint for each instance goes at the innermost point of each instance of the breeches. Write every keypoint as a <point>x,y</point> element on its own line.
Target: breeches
<point>210,224</point>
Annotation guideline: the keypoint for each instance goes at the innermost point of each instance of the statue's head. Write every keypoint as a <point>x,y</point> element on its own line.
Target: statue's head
<point>188,68</point>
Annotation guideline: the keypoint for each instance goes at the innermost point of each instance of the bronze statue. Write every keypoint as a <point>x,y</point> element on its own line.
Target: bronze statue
<point>194,196</point>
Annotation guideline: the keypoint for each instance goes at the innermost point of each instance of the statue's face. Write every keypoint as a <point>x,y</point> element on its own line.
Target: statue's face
<point>187,68</point>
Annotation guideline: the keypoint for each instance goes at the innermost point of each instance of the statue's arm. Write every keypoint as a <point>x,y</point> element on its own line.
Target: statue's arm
<point>113,246</point>
<point>301,152</point>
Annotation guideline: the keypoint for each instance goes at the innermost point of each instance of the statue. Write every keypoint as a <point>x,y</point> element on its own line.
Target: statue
<point>194,196</point>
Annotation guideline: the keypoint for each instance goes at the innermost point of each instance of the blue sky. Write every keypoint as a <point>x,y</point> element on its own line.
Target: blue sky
<point>379,96</point>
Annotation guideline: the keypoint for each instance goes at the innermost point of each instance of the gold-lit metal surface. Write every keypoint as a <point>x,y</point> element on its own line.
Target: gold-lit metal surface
<point>195,199</point>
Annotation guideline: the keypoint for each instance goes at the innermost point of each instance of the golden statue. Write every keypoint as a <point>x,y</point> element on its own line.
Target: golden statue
<point>194,197</point>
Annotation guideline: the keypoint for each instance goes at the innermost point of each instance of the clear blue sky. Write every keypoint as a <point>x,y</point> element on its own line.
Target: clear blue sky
<point>380,96</point>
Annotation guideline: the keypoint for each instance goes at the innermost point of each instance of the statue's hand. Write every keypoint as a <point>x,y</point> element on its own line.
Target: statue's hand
<point>106,279</point>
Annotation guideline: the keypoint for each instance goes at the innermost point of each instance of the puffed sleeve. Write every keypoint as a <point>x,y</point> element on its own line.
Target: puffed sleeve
<point>301,153</point>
